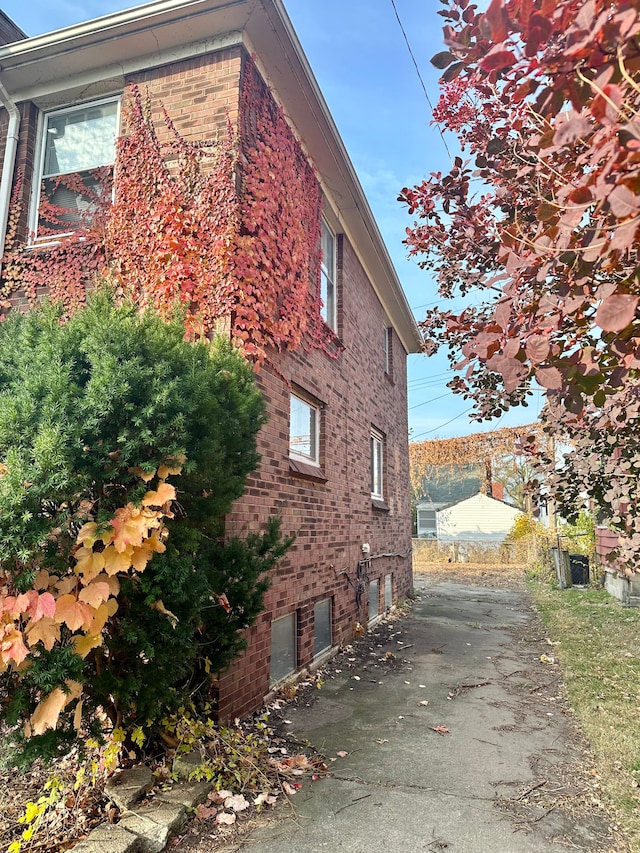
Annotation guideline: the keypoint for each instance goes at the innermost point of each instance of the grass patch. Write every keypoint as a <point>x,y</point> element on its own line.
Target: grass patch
<point>597,643</point>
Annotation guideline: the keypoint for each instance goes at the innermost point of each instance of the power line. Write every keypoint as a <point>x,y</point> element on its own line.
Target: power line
<point>424,88</point>
<point>424,403</point>
<point>446,423</point>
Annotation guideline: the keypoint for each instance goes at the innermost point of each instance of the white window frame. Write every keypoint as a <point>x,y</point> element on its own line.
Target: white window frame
<point>376,441</point>
<point>39,175</point>
<point>328,276</point>
<point>313,457</point>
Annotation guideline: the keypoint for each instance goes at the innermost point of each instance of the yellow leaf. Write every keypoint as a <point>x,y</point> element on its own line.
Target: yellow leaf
<point>144,475</point>
<point>65,585</point>
<point>43,580</point>
<point>159,606</point>
<point>101,617</point>
<point>75,614</point>
<point>95,593</point>
<point>117,561</point>
<point>138,736</point>
<point>165,471</point>
<point>83,643</point>
<point>111,580</point>
<point>77,716</point>
<point>164,494</point>
<point>90,563</point>
<point>48,711</point>
<point>45,631</point>
<point>130,525</point>
<point>88,534</point>
<point>140,557</point>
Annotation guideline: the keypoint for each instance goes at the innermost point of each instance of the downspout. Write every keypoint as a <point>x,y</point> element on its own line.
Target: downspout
<point>9,161</point>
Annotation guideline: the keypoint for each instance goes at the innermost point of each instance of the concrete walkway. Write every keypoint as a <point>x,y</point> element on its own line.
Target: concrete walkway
<point>507,777</point>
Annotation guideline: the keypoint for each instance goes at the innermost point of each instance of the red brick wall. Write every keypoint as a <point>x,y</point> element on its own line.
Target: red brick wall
<point>199,94</point>
<point>331,517</point>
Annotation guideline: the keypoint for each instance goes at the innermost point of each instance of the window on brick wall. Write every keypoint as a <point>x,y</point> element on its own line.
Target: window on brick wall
<point>387,343</point>
<point>374,599</point>
<point>388,591</point>
<point>328,276</point>
<point>321,627</point>
<point>283,647</point>
<point>304,429</point>
<point>377,464</point>
<point>76,165</point>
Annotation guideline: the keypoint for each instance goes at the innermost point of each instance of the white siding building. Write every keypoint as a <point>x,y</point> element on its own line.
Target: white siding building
<point>476,519</point>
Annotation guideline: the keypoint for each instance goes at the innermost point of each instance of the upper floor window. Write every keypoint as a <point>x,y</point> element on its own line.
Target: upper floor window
<point>78,153</point>
<point>387,342</point>
<point>328,276</point>
<point>304,429</point>
<point>377,464</point>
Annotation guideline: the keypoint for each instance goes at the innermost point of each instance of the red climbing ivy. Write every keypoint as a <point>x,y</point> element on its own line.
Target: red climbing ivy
<point>227,229</point>
<point>280,235</point>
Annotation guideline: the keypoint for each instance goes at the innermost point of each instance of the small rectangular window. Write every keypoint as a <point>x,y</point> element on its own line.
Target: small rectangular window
<point>387,343</point>
<point>374,599</point>
<point>328,276</point>
<point>76,174</point>
<point>283,647</point>
<point>388,592</point>
<point>427,524</point>
<point>304,423</point>
<point>321,627</point>
<point>377,464</point>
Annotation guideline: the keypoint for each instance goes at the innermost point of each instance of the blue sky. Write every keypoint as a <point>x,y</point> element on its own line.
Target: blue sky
<point>360,58</point>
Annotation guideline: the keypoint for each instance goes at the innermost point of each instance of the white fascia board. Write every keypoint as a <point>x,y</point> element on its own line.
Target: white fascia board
<point>109,79</point>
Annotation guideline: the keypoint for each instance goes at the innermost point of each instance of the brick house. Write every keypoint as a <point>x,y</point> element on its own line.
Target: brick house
<point>334,450</point>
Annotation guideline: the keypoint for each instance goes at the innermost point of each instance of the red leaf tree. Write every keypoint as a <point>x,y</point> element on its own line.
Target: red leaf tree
<point>539,228</point>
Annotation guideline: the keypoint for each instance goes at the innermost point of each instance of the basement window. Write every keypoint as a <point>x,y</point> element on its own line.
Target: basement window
<point>321,627</point>
<point>283,647</point>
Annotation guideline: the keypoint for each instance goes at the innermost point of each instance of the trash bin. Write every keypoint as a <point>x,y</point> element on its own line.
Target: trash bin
<point>579,568</point>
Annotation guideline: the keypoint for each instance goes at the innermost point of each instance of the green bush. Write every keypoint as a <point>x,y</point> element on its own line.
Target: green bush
<point>85,405</point>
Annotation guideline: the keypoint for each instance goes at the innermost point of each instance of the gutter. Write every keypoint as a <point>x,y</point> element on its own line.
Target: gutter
<point>8,164</point>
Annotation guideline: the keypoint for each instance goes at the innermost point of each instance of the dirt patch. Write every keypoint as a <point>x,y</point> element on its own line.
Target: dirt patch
<point>478,574</point>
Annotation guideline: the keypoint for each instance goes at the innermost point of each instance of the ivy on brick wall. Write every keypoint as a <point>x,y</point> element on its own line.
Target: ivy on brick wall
<point>226,229</point>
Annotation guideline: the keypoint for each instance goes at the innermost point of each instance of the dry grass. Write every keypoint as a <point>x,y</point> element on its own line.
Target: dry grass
<point>598,645</point>
<point>482,574</point>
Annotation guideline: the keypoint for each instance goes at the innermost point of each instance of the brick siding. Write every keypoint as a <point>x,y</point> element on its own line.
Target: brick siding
<point>332,516</point>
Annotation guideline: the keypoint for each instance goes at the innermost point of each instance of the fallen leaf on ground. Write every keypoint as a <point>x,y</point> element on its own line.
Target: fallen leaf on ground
<point>382,740</point>
<point>225,818</point>
<point>342,754</point>
<point>441,730</point>
<point>205,812</point>
<point>236,803</point>
<point>219,796</point>
<point>288,789</point>
<point>424,702</point>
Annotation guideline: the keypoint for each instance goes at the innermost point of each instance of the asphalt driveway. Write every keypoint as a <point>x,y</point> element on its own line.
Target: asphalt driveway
<point>449,733</point>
